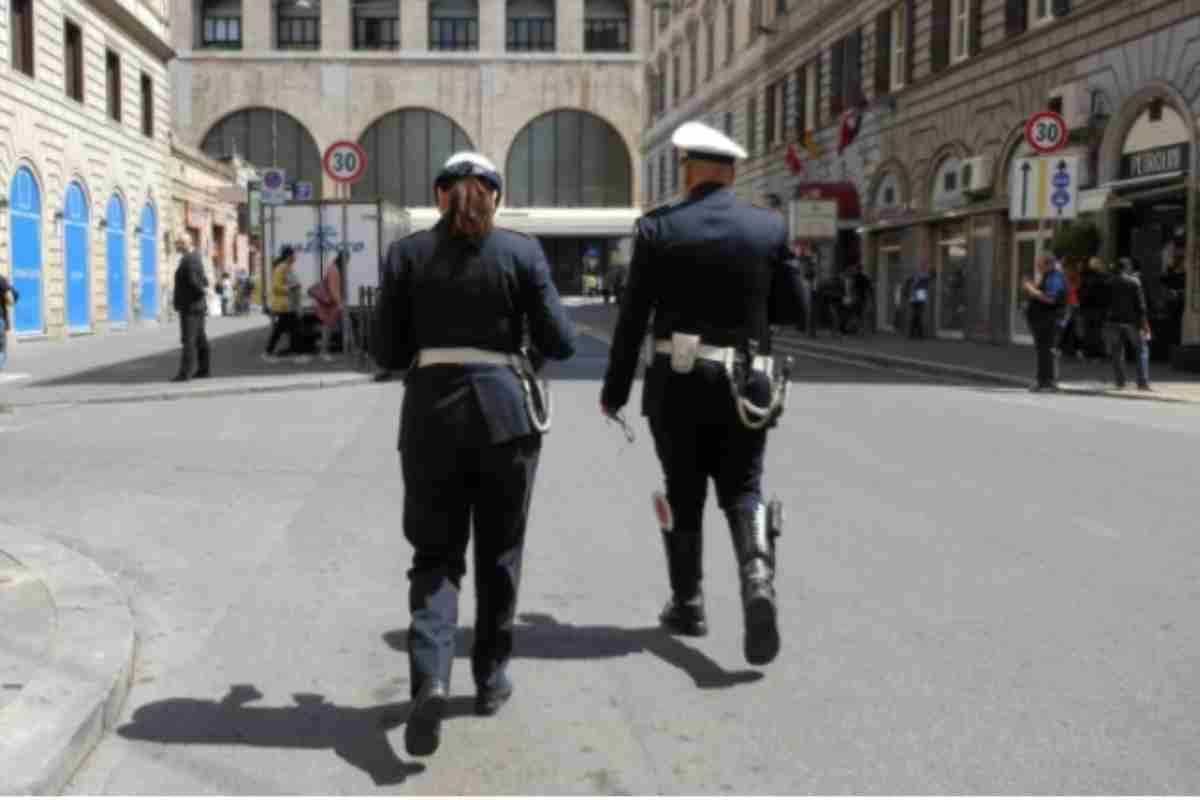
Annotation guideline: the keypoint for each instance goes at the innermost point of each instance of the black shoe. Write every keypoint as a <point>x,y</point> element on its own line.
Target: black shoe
<point>489,701</point>
<point>180,378</point>
<point>423,732</point>
<point>1121,385</point>
<point>1144,387</point>
<point>685,618</point>
<point>202,374</point>
<point>761,642</point>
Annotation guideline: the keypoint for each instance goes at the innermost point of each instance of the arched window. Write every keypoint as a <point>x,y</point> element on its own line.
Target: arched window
<point>76,258</point>
<point>569,158</point>
<point>114,251</point>
<point>221,24</point>
<point>405,149</point>
<point>606,26</point>
<point>267,138</point>
<point>530,25</point>
<point>453,24</point>
<point>25,236</point>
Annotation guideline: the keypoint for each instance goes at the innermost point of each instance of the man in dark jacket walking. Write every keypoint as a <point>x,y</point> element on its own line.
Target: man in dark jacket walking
<point>1128,323</point>
<point>7,294</point>
<point>191,302</point>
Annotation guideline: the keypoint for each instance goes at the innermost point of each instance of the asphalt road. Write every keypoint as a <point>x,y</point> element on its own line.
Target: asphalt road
<point>982,591</point>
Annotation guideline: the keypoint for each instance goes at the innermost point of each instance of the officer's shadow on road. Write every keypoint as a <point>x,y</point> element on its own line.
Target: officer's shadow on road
<point>542,636</point>
<point>357,735</point>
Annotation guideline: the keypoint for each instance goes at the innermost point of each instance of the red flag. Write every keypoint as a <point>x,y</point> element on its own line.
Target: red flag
<point>794,164</point>
<point>849,131</point>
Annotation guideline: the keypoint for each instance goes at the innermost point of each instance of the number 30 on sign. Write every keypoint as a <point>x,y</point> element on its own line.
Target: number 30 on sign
<point>1046,132</point>
<point>345,162</point>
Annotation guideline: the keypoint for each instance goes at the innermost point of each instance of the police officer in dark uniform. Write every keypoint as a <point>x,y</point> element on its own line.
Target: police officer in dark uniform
<point>456,303</point>
<point>716,273</point>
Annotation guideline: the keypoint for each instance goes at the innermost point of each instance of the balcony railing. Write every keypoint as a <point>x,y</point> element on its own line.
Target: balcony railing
<point>221,32</point>
<point>531,34</point>
<point>606,35</point>
<point>299,33</point>
<point>376,33</point>
<point>446,33</point>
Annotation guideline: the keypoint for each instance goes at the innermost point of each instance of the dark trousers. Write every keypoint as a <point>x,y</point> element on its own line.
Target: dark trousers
<point>1093,332</point>
<point>195,343</point>
<point>447,488</point>
<point>694,444</point>
<point>1122,336</point>
<point>287,322</point>
<point>1045,339</point>
<point>916,320</point>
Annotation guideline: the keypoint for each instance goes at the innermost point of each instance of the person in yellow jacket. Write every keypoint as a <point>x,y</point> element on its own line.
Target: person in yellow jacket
<point>284,303</point>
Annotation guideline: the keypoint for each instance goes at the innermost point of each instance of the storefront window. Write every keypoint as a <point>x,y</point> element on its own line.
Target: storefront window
<point>952,281</point>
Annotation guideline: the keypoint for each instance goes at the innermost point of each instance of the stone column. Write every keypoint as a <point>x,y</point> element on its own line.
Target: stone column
<point>335,27</point>
<point>414,25</point>
<point>258,27</point>
<point>492,26</point>
<point>568,26</point>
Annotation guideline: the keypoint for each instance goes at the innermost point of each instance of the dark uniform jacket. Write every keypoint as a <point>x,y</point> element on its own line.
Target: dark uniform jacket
<point>1127,301</point>
<point>710,265</point>
<point>190,283</point>
<point>5,288</point>
<point>437,291</point>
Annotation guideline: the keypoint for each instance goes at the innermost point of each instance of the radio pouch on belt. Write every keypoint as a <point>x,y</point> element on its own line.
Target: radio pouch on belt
<point>684,349</point>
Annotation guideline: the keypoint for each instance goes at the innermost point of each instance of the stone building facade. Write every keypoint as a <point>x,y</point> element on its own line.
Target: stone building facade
<point>910,113</point>
<point>205,196</point>
<point>549,89</point>
<point>84,147</point>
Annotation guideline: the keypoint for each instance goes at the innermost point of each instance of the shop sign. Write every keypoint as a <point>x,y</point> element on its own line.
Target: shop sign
<point>814,219</point>
<point>1156,161</point>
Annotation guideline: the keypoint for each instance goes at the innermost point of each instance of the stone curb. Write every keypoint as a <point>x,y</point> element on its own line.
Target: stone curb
<point>60,715</point>
<point>159,395</point>
<point>938,368</point>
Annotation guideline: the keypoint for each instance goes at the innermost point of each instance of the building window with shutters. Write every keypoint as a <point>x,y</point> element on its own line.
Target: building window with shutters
<point>676,77</point>
<point>756,19</point>
<point>662,175</point>
<point>1043,11</point>
<point>147,106</point>
<point>112,71</point>
<point>20,26</point>
<point>73,60</point>
<point>774,106</point>
<point>899,42</point>
<point>806,99</point>
<point>752,127</point>
<point>674,173</point>
<point>960,29</point>
<point>693,61</point>
<point>846,89</point>
<point>730,30</point>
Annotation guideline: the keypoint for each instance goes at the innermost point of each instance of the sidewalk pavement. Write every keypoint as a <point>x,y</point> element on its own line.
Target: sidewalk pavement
<point>136,365</point>
<point>1008,365</point>
<point>66,656</point>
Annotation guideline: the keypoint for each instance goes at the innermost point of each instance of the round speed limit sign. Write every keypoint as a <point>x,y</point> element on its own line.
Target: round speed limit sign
<point>1046,132</point>
<point>345,162</point>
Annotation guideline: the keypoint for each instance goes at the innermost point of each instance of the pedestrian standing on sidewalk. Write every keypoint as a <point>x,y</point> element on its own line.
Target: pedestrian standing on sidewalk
<point>918,298</point>
<point>454,304</point>
<point>1047,294</point>
<point>716,274</point>
<point>1129,324</point>
<point>1070,327</point>
<point>284,303</point>
<point>1093,307</point>
<point>8,298</point>
<point>190,300</point>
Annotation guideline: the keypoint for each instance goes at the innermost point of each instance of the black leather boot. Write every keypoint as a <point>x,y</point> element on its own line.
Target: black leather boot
<point>684,614</point>
<point>756,559</point>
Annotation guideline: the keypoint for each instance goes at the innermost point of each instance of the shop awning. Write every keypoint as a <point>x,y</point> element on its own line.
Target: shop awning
<point>846,195</point>
<point>1139,183</point>
<point>1093,200</point>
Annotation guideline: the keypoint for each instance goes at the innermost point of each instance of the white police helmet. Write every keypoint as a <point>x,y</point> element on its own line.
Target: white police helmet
<point>467,164</point>
<point>698,140</point>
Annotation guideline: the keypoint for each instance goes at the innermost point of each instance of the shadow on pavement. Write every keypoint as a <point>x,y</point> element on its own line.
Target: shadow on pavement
<point>235,355</point>
<point>542,636</point>
<point>357,735</point>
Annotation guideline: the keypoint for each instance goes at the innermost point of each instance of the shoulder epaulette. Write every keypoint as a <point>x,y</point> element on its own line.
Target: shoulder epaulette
<point>512,231</point>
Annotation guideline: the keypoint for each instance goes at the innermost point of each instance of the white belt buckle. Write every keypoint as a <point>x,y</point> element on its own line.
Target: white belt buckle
<point>684,349</point>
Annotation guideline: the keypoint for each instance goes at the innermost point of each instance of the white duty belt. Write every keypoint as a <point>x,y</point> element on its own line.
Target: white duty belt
<point>430,356</point>
<point>717,355</point>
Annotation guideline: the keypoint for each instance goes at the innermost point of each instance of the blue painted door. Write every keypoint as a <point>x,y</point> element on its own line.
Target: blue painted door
<point>25,211</point>
<point>118,307</point>
<point>75,234</point>
<point>149,250</point>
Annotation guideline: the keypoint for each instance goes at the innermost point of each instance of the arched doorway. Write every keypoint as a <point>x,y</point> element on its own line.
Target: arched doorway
<point>267,137</point>
<point>572,159</point>
<point>149,271</point>
<point>25,218</point>
<point>75,259</point>
<point>405,149</point>
<point>118,293</point>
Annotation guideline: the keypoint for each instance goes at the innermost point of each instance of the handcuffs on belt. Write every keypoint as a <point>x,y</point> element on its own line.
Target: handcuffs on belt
<point>537,392</point>
<point>740,363</point>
